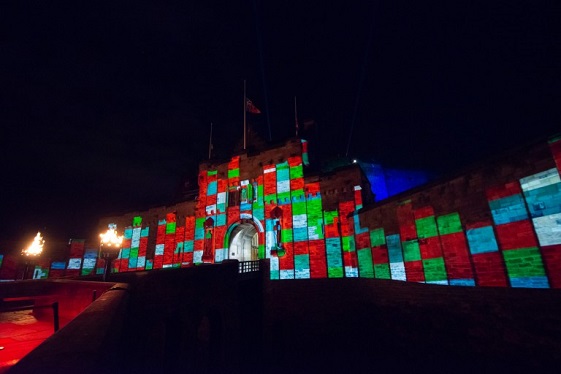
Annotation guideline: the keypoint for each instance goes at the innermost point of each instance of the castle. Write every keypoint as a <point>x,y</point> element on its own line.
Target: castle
<point>497,224</point>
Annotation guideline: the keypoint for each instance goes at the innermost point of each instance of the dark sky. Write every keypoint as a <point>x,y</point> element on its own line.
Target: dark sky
<point>106,105</point>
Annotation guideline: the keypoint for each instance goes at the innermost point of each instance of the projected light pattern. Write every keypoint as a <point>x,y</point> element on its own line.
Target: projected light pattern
<point>512,238</point>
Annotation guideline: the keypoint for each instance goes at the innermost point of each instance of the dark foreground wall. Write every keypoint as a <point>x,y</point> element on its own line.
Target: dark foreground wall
<point>210,319</point>
<point>382,326</point>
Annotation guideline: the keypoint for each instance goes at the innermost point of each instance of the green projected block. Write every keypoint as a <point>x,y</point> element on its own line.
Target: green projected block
<point>298,208</point>
<point>365,268</point>
<point>286,235</point>
<point>296,172</point>
<point>348,243</point>
<point>382,271</point>
<point>426,227</point>
<point>449,224</point>
<point>170,228</point>
<point>234,173</point>
<point>434,269</point>
<point>328,217</point>
<point>137,221</point>
<point>377,237</point>
<point>525,262</point>
<point>411,250</point>
<point>200,223</point>
<point>212,172</point>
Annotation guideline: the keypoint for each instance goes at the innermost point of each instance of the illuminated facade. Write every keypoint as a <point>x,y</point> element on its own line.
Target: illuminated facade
<point>496,225</point>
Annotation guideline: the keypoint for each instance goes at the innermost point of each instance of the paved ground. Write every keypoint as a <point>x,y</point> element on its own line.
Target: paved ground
<point>21,332</point>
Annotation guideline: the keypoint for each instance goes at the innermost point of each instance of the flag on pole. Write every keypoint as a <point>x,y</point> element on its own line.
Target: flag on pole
<point>249,107</point>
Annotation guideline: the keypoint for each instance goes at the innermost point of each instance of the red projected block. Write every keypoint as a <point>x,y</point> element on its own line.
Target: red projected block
<point>362,240</point>
<point>380,255</point>
<point>406,220</point>
<point>430,248</point>
<point>300,248</point>
<point>414,271</point>
<point>498,192</point>
<point>318,268</point>
<point>552,259</point>
<point>489,269</point>
<point>286,262</point>
<point>516,235</point>
<point>555,147</point>
<point>426,211</point>
<point>456,256</point>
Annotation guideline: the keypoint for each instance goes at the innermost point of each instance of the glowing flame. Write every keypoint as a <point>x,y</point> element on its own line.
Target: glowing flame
<point>36,247</point>
<point>110,237</point>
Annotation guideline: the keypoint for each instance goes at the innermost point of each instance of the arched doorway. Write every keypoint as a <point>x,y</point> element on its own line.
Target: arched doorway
<point>244,243</point>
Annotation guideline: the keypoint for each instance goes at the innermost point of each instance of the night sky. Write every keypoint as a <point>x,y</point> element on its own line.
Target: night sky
<point>106,105</point>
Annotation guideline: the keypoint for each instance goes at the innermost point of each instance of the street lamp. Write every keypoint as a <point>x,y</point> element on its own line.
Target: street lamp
<point>32,252</point>
<point>112,243</point>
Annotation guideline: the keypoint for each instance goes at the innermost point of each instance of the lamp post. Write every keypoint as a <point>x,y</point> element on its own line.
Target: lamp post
<point>109,246</point>
<point>32,252</point>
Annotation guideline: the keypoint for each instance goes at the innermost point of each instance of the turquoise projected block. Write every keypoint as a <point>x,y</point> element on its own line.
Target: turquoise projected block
<point>125,253</point>
<point>178,247</point>
<point>132,262</point>
<point>300,234</point>
<point>212,188</point>
<point>128,233</point>
<point>199,233</point>
<point>530,282</point>
<point>189,245</point>
<point>544,201</point>
<point>394,248</point>
<point>221,220</point>
<point>365,266</point>
<point>274,275</point>
<point>258,213</point>
<point>334,258</point>
<point>145,232</point>
<point>358,229</point>
<point>302,266</point>
<point>462,282</point>
<point>508,209</point>
<point>482,240</point>
<point>283,173</point>
<point>377,237</point>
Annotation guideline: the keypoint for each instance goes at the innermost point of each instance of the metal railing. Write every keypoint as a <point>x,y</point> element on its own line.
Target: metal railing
<point>249,266</point>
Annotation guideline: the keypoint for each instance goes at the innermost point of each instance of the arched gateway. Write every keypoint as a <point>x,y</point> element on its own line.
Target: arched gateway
<point>242,240</point>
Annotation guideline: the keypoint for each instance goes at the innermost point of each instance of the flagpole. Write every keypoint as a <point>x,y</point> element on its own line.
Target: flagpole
<point>210,142</point>
<point>296,116</point>
<point>244,116</point>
